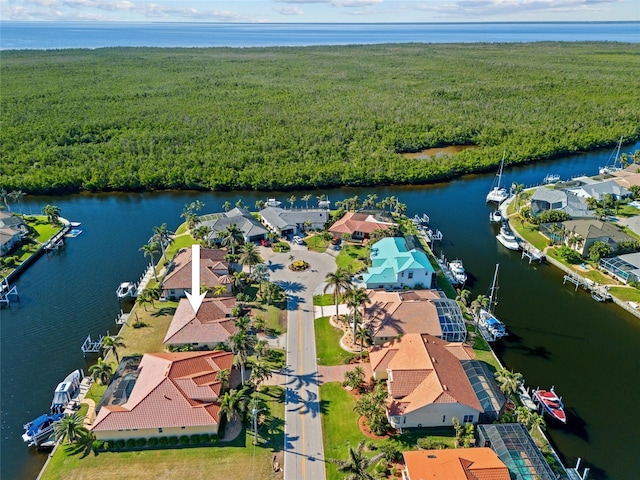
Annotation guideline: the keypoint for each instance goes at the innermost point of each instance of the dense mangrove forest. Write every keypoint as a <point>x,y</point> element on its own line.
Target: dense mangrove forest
<point>134,119</point>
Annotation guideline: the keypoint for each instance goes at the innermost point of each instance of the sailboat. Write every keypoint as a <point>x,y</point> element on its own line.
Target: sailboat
<point>489,326</point>
<point>614,167</point>
<point>498,194</point>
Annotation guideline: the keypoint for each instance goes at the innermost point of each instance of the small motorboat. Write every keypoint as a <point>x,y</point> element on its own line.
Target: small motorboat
<point>39,431</point>
<point>272,202</point>
<point>495,216</point>
<point>126,289</point>
<point>551,178</point>
<point>551,404</point>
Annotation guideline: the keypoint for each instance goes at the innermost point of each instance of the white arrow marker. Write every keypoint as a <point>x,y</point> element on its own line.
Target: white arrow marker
<point>195,297</point>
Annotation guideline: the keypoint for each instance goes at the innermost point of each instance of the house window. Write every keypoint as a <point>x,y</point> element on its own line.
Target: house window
<point>444,418</point>
<point>468,419</point>
<point>160,430</point>
<point>410,275</point>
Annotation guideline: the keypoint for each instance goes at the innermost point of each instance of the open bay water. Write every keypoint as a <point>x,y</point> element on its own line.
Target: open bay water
<point>60,35</point>
<point>557,336</point>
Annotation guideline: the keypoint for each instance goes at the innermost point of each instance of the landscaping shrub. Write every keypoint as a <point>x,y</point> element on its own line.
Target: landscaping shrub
<point>184,440</point>
<point>204,438</point>
<point>141,442</point>
<point>97,445</point>
<point>119,444</point>
<point>131,443</point>
<point>152,442</point>
<point>195,439</point>
<point>163,441</point>
<point>173,440</point>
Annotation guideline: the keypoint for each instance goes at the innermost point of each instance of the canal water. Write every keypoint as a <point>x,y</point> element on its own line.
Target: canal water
<point>557,336</point>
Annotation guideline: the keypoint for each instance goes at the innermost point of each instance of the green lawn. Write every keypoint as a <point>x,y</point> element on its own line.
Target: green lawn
<point>183,240</point>
<point>340,429</point>
<point>316,243</point>
<point>41,225</point>
<point>240,459</point>
<point>148,338</point>
<point>626,294</point>
<point>323,300</point>
<point>328,347</point>
<point>275,317</point>
<point>352,257</point>
<point>530,233</point>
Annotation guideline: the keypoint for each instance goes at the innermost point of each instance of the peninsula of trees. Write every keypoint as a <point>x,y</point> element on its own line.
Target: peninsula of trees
<point>277,118</point>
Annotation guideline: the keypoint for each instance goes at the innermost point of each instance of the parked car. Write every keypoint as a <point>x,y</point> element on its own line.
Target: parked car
<point>297,240</point>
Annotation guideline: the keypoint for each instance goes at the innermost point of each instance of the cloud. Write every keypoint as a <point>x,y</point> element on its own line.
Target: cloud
<point>289,10</point>
<point>486,8</point>
<point>336,3</point>
<point>100,4</point>
<point>42,3</point>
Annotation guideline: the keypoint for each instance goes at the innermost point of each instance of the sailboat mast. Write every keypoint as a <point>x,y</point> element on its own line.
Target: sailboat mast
<point>493,295</point>
<point>504,154</point>
<point>615,161</point>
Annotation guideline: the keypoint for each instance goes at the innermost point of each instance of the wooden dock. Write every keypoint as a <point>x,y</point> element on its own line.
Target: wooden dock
<point>57,240</point>
<point>598,292</point>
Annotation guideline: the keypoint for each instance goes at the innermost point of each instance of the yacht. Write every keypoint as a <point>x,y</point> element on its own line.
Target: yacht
<point>498,194</point>
<point>507,238</point>
<point>457,269</point>
<point>66,390</point>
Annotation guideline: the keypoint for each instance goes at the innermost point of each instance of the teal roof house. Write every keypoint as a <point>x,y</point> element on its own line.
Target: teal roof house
<point>394,266</point>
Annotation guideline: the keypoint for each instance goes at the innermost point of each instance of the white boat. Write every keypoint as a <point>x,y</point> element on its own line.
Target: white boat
<point>613,167</point>
<point>66,390</point>
<point>498,194</point>
<point>40,430</point>
<point>324,204</point>
<point>489,326</point>
<point>495,216</point>
<point>551,178</point>
<point>507,238</point>
<point>457,269</point>
<point>126,289</point>
<point>272,202</point>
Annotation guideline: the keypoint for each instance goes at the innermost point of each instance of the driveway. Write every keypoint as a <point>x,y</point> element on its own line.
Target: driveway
<point>304,452</point>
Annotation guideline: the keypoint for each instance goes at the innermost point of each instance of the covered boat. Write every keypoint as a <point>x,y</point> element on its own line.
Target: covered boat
<point>39,431</point>
<point>551,404</point>
<point>66,390</point>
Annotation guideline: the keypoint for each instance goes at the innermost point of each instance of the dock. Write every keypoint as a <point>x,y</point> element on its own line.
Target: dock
<point>57,240</point>
<point>7,291</point>
<point>530,252</point>
<point>598,292</point>
<point>122,318</point>
<point>92,346</point>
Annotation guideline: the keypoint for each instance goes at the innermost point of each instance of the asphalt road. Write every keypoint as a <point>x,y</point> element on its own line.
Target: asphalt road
<point>304,452</point>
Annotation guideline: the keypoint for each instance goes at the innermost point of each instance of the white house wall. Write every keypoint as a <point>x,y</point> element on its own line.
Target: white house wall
<point>436,415</point>
<point>154,432</point>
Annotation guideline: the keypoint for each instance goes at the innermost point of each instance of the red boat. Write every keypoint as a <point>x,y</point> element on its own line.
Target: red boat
<point>551,404</point>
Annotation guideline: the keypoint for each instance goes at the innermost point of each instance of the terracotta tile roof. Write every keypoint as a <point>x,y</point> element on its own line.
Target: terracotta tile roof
<point>212,324</point>
<point>213,266</point>
<point>358,222</point>
<point>423,371</point>
<point>170,392</point>
<point>394,313</point>
<point>456,464</point>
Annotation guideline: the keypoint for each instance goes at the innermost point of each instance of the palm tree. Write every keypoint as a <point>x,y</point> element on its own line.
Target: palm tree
<point>592,203</point>
<point>190,217</point>
<point>292,199</point>
<point>232,403</point>
<point>223,378</point>
<point>321,198</point>
<point>242,343</point>
<point>4,196</point>
<point>517,190</point>
<point>305,199</point>
<point>70,427</point>
<point>356,465</point>
<point>463,297</point>
<point>149,250</point>
<point>250,256</point>
<point>340,282</point>
<point>226,206</point>
<point>370,201</point>
<point>17,196</point>
<point>219,290</point>
<point>508,381</point>
<point>363,333</point>
<point>200,233</point>
<point>481,301</point>
<point>261,348</point>
<point>113,343</point>
<point>242,323</point>
<point>52,212</point>
<point>356,298</point>
<point>102,371</point>
<point>259,373</point>
<point>163,237</point>
<point>232,237</point>
<point>536,420</point>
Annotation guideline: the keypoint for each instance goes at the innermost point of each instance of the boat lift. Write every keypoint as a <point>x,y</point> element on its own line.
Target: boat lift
<point>57,240</point>
<point>122,318</point>
<point>600,293</point>
<point>530,252</point>
<point>92,346</point>
<point>6,290</point>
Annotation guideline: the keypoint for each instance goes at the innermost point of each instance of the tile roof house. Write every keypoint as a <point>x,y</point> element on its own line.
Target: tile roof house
<point>212,325</point>
<point>12,230</point>
<point>455,464</point>
<point>358,225</point>
<point>545,198</point>
<point>394,266</point>
<point>414,311</point>
<point>251,228</point>
<point>591,231</point>
<point>426,382</point>
<point>627,177</point>
<point>292,221</point>
<point>174,394</point>
<point>214,271</point>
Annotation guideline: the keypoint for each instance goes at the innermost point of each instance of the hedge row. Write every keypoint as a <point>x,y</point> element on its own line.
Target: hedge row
<point>154,442</point>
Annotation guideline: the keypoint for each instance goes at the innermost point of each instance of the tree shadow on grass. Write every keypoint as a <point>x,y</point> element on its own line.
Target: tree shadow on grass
<point>164,311</point>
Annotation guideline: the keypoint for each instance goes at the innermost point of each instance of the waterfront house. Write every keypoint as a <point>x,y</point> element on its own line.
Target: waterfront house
<point>454,464</point>
<point>589,232</point>
<point>295,221</point>
<point>393,313</point>
<point>214,272</point>
<point>395,266</point>
<point>12,231</point>
<point>546,198</point>
<point>358,226</point>
<point>599,189</point>
<point>252,230</point>
<point>427,385</point>
<point>517,450</point>
<point>627,177</point>
<point>625,268</point>
<point>170,394</point>
<point>211,326</point>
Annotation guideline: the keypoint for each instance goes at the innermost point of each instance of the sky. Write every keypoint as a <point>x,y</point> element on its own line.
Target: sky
<point>310,11</point>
